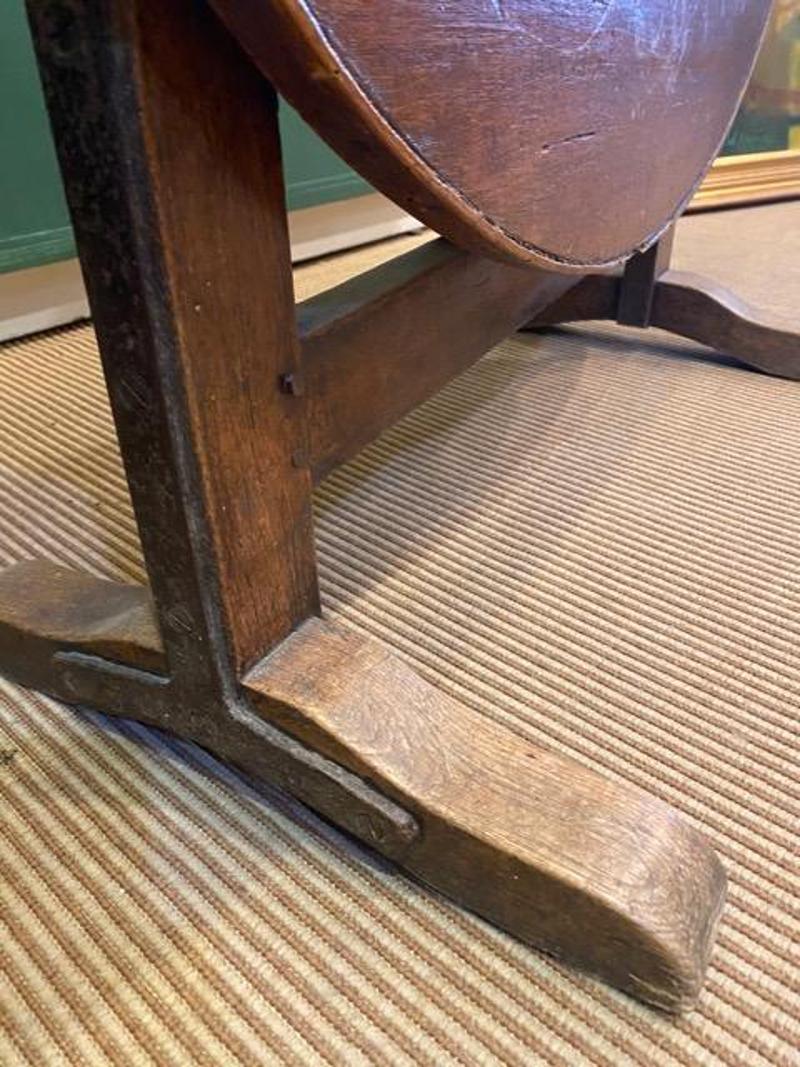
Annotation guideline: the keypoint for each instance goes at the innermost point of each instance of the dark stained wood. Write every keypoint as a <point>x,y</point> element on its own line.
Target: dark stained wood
<point>58,608</point>
<point>685,304</point>
<point>379,344</point>
<point>95,643</point>
<point>696,307</point>
<point>215,168</point>
<point>563,134</point>
<point>594,871</point>
<point>168,143</point>
<point>595,297</point>
<point>639,279</point>
<point>167,140</point>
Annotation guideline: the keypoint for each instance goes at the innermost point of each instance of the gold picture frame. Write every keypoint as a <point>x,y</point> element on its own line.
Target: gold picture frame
<point>763,160</point>
<point>751,178</point>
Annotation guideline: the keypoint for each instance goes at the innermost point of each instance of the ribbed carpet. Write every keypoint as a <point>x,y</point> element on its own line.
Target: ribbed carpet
<point>592,537</point>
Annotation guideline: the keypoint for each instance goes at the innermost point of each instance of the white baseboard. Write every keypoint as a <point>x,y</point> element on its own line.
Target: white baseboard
<point>41,298</point>
<point>318,231</point>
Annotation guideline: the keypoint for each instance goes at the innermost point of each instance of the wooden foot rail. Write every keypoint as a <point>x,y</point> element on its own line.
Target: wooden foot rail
<point>648,293</point>
<point>229,402</point>
<point>593,871</point>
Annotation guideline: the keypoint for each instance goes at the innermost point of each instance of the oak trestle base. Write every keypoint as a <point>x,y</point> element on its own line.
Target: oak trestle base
<point>229,403</point>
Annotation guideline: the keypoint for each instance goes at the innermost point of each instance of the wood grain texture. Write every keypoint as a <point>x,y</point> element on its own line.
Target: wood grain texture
<point>167,139</point>
<point>593,871</point>
<point>45,608</point>
<point>96,643</point>
<point>598,873</point>
<point>567,135</point>
<point>213,152</point>
<point>475,997</point>
<point>381,343</point>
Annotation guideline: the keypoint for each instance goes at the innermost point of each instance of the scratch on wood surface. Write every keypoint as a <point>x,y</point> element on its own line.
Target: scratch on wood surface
<point>572,138</point>
<point>590,17</point>
<point>655,30</point>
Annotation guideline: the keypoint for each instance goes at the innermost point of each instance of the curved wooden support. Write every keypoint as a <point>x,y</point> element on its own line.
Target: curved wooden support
<point>696,307</point>
<point>594,871</point>
<point>692,306</point>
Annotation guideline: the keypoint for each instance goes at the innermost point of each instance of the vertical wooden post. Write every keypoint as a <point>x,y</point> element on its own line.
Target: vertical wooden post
<point>638,285</point>
<point>168,141</point>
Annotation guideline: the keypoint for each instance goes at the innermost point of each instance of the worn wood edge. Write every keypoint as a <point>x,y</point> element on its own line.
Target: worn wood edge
<point>367,355</point>
<point>749,179</point>
<point>349,120</point>
<point>594,871</point>
<point>95,643</point>
<point>698,308</point>
<point>310,53</point>
<point>54,608</point>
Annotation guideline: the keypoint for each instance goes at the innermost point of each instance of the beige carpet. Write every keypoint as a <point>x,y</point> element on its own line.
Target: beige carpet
<point>592,537</point>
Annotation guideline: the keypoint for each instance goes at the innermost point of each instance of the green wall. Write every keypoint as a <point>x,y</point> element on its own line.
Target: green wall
<point>34,223</point>
<point>34,227</point>
<point>314,174</point>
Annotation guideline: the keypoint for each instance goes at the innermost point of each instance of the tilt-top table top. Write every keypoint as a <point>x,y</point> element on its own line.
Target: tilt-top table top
<point>566,133</point>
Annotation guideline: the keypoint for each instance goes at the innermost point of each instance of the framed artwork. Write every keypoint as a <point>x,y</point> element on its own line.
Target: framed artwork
<point>761,156</point>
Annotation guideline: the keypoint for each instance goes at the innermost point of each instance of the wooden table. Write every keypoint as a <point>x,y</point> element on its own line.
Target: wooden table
<point>553,145</point>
